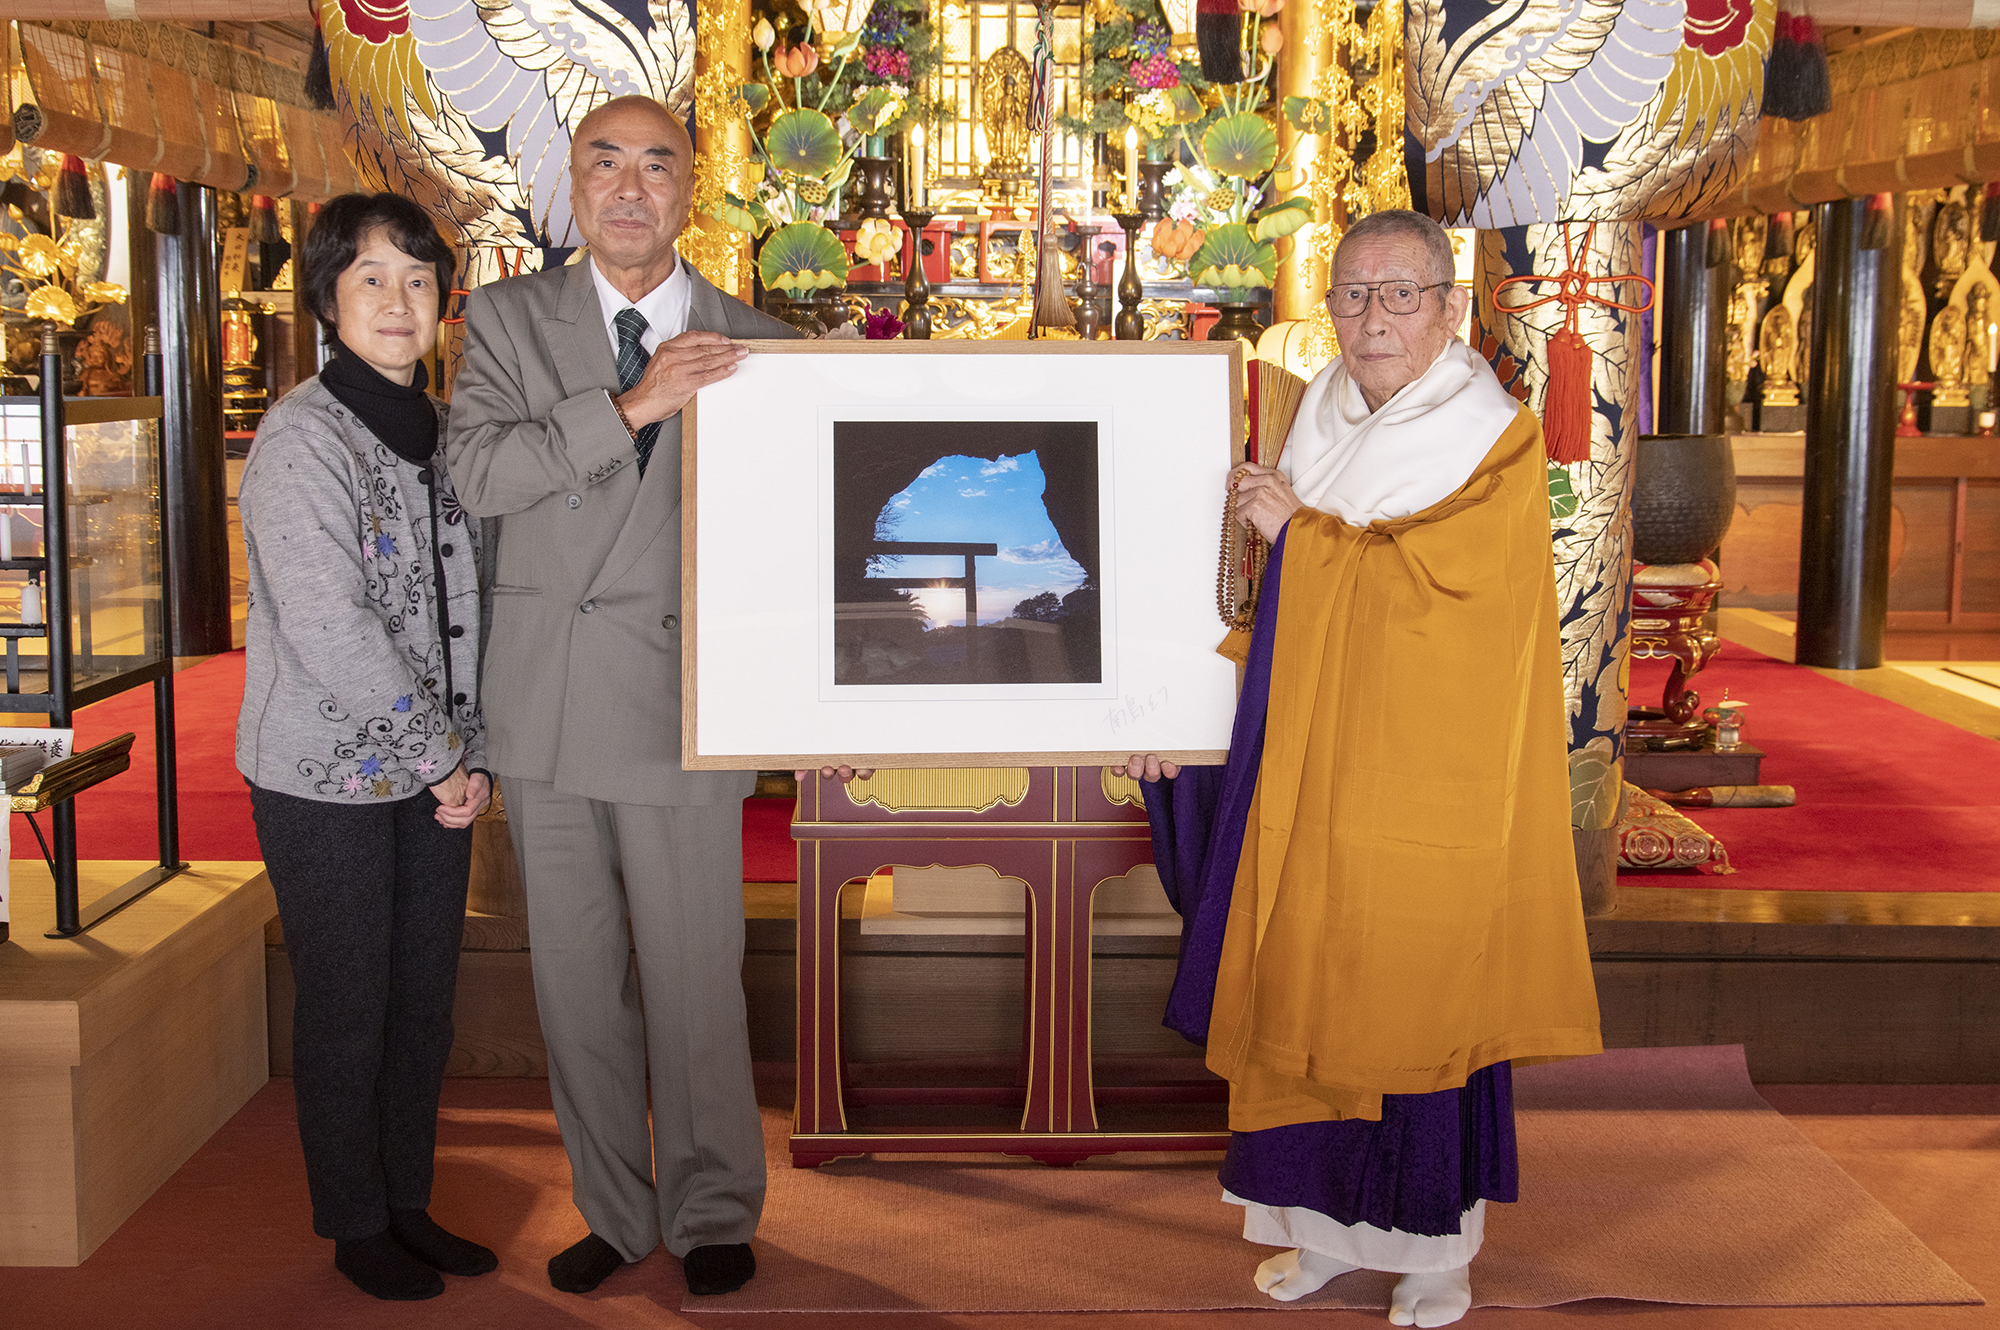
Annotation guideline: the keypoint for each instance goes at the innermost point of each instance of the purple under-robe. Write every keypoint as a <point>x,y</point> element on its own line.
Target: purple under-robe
<point>1430,1156</point>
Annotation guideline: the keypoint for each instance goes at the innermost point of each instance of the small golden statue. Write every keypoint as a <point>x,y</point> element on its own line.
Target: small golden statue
<point>1777,353</point>
<point>1951,243</point>
<point>1978,338</point>
<point>1747,238</point>
<point>1740,346</point>
<point>1948,357</point>
<point>1910,333</point>
<point>1005,85</point>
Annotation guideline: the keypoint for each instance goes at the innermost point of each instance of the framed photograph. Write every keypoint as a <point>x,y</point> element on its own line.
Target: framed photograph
<point>913,554</point>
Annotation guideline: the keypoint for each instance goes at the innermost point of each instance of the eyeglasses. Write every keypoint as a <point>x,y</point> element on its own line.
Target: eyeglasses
<point>1350,300</point>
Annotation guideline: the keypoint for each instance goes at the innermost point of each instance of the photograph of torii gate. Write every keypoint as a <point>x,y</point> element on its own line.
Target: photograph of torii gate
<point>1578,894</point>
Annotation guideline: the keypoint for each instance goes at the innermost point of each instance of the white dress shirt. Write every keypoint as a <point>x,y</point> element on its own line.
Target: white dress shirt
<point>665,307</point>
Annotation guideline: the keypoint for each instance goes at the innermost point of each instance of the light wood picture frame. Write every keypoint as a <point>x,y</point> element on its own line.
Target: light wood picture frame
<point>818,627</point>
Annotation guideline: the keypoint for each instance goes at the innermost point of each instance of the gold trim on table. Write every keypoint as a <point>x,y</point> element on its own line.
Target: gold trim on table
<point>923,790</point>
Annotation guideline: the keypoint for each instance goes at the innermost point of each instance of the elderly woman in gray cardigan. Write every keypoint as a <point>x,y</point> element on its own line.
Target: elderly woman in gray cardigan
<point>360,736</point>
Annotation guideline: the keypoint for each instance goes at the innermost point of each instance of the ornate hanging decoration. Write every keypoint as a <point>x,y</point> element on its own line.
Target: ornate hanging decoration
<point>1567,406</point>
<point>467,106</point>
<point>1581,110</point>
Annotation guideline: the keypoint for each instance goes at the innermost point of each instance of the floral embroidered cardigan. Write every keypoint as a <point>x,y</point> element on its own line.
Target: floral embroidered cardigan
<point>362,680</point>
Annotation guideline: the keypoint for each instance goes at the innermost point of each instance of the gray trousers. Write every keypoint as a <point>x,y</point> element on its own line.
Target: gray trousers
<point>668,1000</point>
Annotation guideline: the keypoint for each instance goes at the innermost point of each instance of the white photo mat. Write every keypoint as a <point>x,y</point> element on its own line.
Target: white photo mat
<point>757,548</point>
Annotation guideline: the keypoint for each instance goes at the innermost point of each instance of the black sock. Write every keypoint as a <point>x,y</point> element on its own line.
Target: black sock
<point>422,1238</point>
<point>721,1267</point>
<point>380,1268</point>
<point>582,1266</point>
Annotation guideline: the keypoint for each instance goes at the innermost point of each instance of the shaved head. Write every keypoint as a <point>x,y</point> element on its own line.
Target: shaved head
<point>631,168</point>
<point>632,107</point>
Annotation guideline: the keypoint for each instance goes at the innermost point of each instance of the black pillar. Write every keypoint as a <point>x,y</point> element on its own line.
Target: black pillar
<point>143,258</point>
<point>196,481</point>
<point>1692,320</point>
<point>1850,437</point>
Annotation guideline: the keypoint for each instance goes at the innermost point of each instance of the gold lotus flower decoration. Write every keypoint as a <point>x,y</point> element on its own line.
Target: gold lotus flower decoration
<point>47,268</point>
<point>39,256</point>
<point>52,303</point>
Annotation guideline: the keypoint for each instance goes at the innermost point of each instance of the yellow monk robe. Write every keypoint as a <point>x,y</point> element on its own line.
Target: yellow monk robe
<point>1406,908</point>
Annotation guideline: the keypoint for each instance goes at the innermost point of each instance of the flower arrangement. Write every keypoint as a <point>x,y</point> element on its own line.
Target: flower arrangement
<point>1218,196</point>
<point>45,265</point>
<point>1134,80</point>
<point>833,94</point>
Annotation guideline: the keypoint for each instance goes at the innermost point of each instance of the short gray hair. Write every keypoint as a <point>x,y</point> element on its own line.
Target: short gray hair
<point>1403,222</point>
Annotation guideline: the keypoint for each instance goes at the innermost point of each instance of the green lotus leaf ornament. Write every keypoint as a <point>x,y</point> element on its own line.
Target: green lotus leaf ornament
<point>1281,219</point>
<point>874,110</point>
<point>804,143</point>
<point>1240,145</point>
<point>1231,257</point>
<point>1185,104</point>
<point>755,97</point>
<point>802,257</point>
<point>746,215</point>
<point>1309,115</point>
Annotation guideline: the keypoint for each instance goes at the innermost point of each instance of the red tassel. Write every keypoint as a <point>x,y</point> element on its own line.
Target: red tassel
<point>264,220</point>
<point>163,206</point>
<point>1566,408</point>
<point>73,190</point>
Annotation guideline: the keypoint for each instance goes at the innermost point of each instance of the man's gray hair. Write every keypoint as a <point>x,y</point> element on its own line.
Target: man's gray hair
<point>1403,222</point>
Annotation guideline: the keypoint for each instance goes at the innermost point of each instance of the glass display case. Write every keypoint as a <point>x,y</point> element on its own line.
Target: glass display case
<point>112,539</point>
<point>83,555</point>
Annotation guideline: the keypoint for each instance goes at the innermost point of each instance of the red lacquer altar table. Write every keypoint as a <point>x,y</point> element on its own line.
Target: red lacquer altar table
<point>1055,828</point>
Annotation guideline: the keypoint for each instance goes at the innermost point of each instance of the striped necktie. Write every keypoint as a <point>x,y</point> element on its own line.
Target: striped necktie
<point>632,359</point>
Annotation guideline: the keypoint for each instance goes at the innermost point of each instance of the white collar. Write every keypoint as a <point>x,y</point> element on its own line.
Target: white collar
<point>1424,442</point>
<point>665,307</point>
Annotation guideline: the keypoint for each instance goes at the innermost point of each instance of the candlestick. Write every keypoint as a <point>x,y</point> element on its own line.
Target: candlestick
<point>1131,169</point>
<point>1086,291</point>
<point>916,285</point>
<point>1129,327</point>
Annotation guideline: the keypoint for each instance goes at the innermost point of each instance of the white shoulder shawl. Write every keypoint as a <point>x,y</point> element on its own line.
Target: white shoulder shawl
<point>1424,443</point>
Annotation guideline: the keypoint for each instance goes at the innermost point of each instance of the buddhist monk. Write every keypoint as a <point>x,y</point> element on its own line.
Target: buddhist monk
<point>1378,890</point>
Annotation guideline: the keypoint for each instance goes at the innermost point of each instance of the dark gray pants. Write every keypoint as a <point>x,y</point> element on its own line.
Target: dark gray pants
<point>372,899</point>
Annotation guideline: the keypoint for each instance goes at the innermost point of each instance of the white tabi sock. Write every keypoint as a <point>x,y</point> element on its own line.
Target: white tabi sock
<point>1290,1275</point>
<point>1431,1299</point>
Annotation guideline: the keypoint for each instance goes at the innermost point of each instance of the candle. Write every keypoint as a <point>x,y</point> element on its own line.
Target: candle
<point>6,533</point>
<point>919,186</point>
<point>31,604</point>
<point>1131,169</point>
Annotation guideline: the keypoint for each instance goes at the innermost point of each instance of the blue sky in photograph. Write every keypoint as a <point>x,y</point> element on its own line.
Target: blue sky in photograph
<point>975,499</point>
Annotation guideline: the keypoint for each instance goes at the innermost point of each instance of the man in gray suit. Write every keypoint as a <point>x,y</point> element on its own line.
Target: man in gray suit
<point>566,425</point>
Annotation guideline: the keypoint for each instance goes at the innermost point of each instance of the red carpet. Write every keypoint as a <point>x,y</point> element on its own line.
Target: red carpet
<point>116,820</point>
<point>1888,799</point>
